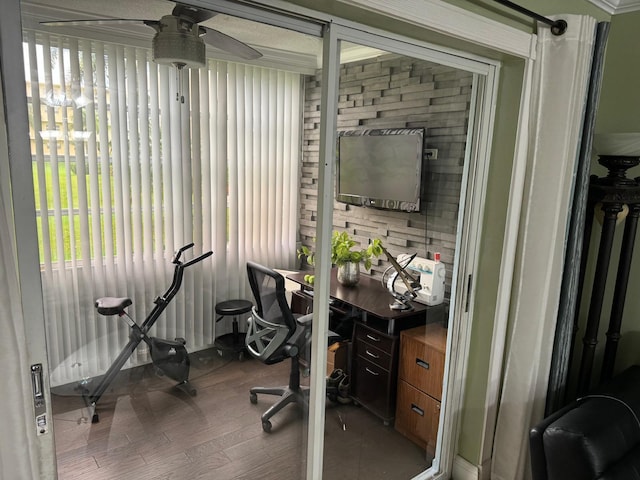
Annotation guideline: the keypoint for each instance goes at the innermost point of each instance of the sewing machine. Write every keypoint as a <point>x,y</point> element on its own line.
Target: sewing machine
<point>429,273</point>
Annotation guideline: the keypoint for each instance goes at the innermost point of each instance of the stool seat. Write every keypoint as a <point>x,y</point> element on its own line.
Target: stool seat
<point>233,307</point>
<point>233,342</point>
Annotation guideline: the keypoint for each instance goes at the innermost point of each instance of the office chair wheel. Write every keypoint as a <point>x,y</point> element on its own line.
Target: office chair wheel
<point>253,398</point>
<point>266,426</point>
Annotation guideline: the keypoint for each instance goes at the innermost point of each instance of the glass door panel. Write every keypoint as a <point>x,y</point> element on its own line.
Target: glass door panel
<point>136,156</point>
<point>403,150</point>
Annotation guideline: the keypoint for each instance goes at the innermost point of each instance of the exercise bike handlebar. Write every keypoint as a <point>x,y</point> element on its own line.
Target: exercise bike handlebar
<point>163,300</point>
<point>196,260</point>
<point>176,256</point>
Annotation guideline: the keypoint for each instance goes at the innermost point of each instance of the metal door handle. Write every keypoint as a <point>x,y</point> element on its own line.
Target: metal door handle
<point>372,338</point>
<point>371,371</point>
<point>417,409</point>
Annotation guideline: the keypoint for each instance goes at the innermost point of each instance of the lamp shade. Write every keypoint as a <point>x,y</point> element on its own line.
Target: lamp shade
<point>617,144</point>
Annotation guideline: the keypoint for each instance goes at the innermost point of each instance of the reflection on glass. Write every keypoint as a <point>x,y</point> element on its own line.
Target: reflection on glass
<point>124,175</point>
<point>395,365</point>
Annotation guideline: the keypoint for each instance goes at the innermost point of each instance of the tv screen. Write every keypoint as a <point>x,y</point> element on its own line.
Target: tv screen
<point>380,168</point>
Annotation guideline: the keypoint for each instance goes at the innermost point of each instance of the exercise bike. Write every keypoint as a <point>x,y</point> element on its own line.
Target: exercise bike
<point>169,357</point>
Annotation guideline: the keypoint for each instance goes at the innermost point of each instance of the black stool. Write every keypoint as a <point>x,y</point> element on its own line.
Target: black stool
<point>234,341</point>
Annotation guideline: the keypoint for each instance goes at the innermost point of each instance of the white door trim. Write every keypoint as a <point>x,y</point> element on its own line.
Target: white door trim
<point>455,22</point>
<point>14,100</point>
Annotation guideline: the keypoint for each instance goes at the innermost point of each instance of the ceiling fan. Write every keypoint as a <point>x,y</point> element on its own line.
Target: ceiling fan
<point>179,39</point>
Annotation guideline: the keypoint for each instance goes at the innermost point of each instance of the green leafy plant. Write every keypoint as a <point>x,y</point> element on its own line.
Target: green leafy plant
<point>342,252</point>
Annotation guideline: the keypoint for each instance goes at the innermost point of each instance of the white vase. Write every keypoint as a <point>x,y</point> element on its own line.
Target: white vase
<point>349,274</point>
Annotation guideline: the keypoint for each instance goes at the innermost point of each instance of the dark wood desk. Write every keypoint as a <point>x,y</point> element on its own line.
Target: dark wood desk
<point>373,365</point>
<point>368,296</point>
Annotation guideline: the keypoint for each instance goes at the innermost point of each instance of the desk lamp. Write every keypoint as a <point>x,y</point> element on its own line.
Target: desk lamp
<point>403,300</point>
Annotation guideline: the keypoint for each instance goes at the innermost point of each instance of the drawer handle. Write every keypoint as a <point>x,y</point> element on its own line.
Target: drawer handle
<point>422,363</point>
<point>371,337</point>
<point>372,355</point>
<point>417,409</point>
<point>371,371</point>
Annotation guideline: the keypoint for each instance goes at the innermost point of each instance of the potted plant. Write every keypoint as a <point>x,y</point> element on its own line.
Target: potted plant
<point>345,257</point>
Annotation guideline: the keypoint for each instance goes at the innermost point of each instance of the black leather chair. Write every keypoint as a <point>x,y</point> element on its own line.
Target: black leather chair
<point>276,334</point>
<point>594,438</point>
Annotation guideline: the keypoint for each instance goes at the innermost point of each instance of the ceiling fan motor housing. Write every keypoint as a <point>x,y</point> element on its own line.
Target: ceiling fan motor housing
<point>177,42</point>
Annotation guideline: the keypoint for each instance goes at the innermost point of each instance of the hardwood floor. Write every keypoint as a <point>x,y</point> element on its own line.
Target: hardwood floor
<point>148,429</point>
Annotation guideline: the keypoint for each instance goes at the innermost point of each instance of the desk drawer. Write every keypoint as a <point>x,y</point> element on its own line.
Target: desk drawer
<point>301,302</point>
<point>374,338</point>
<point>373,354</point>
<point>371,386</point>
<point>417,416</point>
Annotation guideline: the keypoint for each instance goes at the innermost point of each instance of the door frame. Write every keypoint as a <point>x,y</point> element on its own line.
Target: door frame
<point>26,239</point>
<point>472,197</point>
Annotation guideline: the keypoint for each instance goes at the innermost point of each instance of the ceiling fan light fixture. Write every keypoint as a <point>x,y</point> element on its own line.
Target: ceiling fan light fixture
<point>177,43</point>
<point>179,39</point>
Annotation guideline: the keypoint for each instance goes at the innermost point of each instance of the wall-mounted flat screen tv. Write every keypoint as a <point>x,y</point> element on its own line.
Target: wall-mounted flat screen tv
<point>380,168</point>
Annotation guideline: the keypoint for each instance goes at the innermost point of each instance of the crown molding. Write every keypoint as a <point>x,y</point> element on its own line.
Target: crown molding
<point>613,7</point>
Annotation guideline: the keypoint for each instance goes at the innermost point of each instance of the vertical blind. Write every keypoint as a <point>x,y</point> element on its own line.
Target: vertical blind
<point>131,161</point>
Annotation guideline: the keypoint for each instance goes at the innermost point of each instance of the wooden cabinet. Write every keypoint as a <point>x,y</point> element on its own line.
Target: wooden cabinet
<point>420,377</point>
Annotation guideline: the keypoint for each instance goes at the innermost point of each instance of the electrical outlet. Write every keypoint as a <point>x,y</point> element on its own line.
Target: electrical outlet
<point>432,153</point>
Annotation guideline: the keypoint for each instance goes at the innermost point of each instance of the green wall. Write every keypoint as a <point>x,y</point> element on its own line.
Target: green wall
<point>620,96</point>
<point>618,113</point>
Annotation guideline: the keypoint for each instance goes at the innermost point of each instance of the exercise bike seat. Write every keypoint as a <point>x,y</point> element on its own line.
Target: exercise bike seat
<point>112,305</point>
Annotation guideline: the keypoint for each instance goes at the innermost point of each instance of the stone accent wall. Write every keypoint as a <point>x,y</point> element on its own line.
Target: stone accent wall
<point>395,92</point>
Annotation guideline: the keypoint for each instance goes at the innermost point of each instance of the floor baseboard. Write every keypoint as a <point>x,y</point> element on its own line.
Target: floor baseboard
<point>464,470</point>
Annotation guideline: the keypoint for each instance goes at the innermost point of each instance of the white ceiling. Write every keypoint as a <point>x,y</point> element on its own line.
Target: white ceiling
<point>280,47</point>
<point>617,6</point>
<point>256,34</point>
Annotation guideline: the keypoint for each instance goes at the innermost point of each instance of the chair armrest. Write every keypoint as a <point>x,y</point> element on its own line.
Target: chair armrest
<point>305,320</point>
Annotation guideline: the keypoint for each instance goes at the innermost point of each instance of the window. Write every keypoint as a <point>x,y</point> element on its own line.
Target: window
<point>132,160</point>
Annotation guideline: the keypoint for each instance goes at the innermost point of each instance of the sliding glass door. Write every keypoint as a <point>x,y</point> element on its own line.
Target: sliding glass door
<point>379,90</point>
<point>135,159</point>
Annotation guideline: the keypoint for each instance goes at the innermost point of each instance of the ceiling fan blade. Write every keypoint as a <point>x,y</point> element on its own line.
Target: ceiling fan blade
<point>229,44</point>
<point>194,13</point>
<point>98,22</point>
